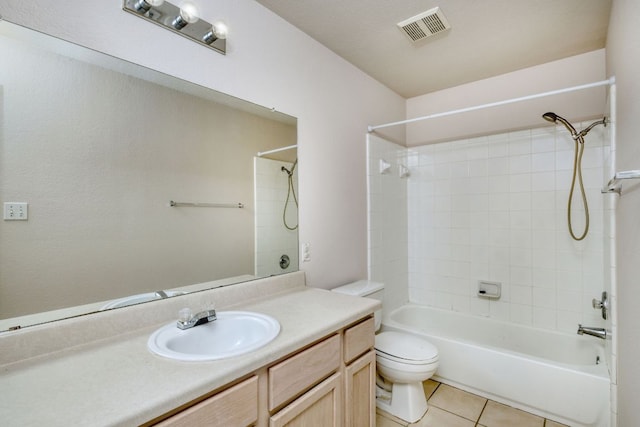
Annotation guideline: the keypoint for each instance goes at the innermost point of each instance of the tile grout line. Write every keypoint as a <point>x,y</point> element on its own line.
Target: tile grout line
<point>434,390</point>
<point>482,412</point>
<point>458,415</point>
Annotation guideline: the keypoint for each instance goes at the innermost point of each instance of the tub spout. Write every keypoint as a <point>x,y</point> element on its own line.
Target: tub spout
<point>594,332</point>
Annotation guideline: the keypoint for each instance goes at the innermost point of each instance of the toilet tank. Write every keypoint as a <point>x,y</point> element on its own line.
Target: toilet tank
<point>365,288</point>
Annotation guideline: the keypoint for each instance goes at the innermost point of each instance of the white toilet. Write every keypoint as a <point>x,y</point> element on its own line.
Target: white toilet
<point>403,361</point>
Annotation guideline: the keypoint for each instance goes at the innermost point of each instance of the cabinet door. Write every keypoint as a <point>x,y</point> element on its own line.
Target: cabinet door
<point>360,403</point>
<point>236,406</point>
<point>319,407</point>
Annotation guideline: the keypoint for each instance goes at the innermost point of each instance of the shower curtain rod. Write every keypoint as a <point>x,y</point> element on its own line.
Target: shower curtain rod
<point>264,153</point>
<point>609,81</point>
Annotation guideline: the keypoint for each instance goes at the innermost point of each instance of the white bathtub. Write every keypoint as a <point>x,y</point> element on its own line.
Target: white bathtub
<point>550,374</point>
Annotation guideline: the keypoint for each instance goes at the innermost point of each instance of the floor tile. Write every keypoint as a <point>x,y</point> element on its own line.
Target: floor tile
<point>549,423</point>
<point>390,419</point>
<point>382,421</point>
<point>436,417</point>
<point>498,415</point>
<point>457,401</point>
<point>429,387</point>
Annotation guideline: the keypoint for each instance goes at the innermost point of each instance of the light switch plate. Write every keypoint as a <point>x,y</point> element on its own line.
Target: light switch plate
<point>306,252</point>
<point>16,211</point>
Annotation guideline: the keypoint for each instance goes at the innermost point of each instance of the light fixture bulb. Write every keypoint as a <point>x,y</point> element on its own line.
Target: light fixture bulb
<point>188,15</point>
<point>143,6</point>
<point>189,12</point>
<point>218,30</point>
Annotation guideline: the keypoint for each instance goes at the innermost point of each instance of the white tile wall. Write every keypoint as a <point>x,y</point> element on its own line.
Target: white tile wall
<point>495,208</point>
<point>387,219</point>
<point>272,238</point>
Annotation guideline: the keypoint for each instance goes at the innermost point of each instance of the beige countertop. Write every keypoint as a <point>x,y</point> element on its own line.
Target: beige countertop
<point>117,381</point>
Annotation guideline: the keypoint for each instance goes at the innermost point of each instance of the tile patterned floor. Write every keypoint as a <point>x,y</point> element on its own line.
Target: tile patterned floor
<point>452,407</point>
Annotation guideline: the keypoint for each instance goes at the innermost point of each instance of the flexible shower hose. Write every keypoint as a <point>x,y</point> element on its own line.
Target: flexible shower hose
<point>291,189</point>
<point>577,172</point>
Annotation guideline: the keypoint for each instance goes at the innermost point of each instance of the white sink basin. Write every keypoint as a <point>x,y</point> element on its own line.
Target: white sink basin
<point>233,333</point>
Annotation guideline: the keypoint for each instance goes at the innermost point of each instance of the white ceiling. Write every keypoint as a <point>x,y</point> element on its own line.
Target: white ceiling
<point>487,38</point>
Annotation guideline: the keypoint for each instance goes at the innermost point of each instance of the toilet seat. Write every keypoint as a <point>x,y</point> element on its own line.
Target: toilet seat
<point>405,348</point>
<point>403,361</point>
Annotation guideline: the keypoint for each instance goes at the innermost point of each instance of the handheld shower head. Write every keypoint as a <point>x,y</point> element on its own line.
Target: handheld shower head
<point>554,118</point>
<point>578,139</point>
<point>289,172</point>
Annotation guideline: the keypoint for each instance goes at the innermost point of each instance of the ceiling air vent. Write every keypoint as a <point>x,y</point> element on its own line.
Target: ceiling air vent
<point>424,25</point>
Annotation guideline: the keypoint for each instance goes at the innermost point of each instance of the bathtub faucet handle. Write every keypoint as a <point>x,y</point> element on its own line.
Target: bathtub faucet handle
<point>602,304</point>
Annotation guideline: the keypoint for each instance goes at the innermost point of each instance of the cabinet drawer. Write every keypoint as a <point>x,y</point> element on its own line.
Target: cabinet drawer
<point>236,406</point>
<point>359,339</point>
<point>297,374</point>
<point>319,407</point>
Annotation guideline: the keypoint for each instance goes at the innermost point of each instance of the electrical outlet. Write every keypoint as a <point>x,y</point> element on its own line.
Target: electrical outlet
<point>16,211</point>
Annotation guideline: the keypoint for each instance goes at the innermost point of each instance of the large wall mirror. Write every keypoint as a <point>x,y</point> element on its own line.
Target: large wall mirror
<point>98,148</point>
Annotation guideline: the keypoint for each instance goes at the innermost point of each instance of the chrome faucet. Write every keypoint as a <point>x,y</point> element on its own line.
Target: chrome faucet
<point>161,294</point>
<point>594,332</point>
<point>188,320</point>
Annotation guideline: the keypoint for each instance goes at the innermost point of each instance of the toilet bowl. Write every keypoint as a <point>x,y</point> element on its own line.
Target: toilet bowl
<point>403,362</point>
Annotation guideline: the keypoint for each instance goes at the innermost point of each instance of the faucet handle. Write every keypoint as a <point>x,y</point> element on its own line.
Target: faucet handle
<point>602,304</point>
<point>185,315</point>
<point>187,320</point>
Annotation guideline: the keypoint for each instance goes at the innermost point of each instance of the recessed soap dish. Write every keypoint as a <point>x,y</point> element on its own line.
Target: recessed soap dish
<point>489,289</point>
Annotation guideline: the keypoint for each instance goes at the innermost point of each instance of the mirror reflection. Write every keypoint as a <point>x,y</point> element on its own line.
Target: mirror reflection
<point>93,152</point>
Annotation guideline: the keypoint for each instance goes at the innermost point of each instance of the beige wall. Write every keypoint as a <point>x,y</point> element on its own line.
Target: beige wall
<point>561,74</point>
<point>271,63</point>
<point>623,61</point>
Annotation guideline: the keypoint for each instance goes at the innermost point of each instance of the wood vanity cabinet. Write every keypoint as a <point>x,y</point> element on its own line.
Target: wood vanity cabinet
<point>319,407</point>
<point>360,375</point>
<point>235,406</point>
<point>328,384</point>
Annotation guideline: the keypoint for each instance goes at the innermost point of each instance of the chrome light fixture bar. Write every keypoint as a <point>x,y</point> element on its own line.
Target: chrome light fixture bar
<point>182,20</point>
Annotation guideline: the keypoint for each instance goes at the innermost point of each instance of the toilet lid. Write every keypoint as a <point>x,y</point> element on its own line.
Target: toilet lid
<point>398,345</point>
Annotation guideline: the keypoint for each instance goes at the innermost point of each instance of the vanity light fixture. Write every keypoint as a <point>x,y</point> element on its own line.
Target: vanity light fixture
<point>183,20</point>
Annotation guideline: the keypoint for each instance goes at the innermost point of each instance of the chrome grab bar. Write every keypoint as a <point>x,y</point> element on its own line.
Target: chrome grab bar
<point>205,205</point>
